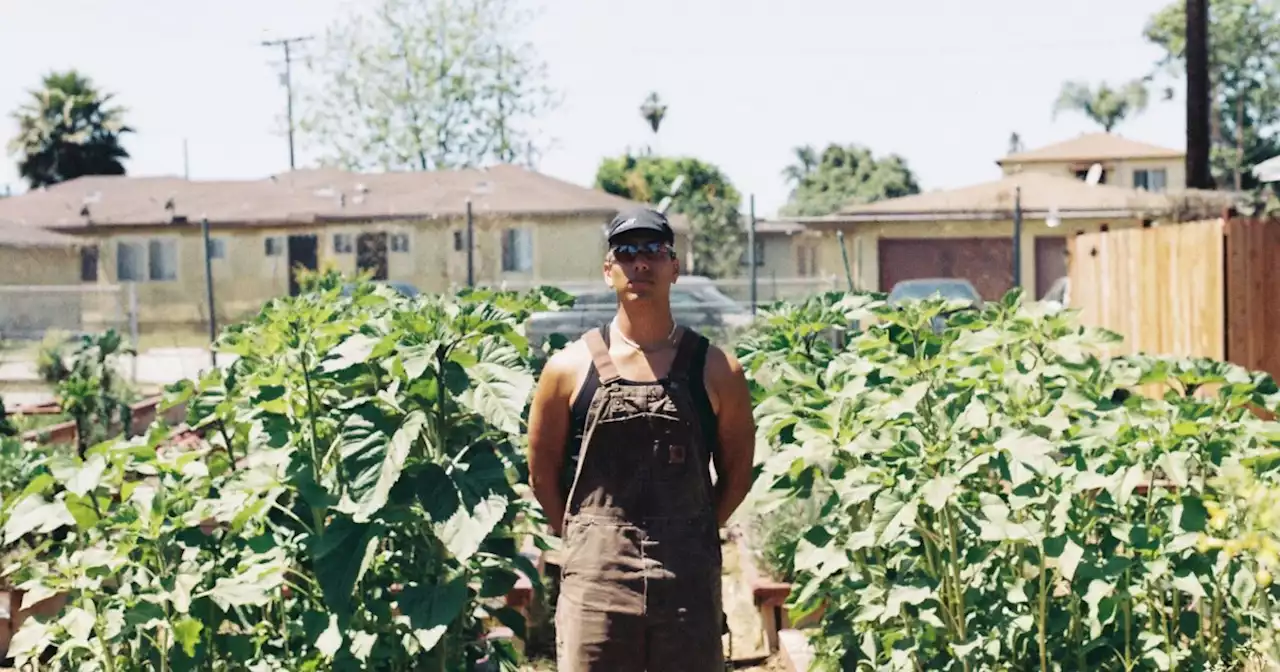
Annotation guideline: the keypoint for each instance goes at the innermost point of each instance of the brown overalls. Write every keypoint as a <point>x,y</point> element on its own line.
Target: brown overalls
<point>640,566</point>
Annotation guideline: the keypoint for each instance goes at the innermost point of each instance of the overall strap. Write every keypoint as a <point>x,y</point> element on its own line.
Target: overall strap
<point>600,355</point>
<point>686,352</point>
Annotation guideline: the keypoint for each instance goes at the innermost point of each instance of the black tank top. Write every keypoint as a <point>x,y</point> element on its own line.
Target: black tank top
<point>698,389</point>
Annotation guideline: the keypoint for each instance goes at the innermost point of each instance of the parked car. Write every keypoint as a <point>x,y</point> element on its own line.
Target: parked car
<point>949,289</point>
<point>695,302</point>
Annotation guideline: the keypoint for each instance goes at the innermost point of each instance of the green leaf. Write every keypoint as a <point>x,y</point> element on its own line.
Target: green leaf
<point>33,514</point>
<point>187,633</point>
<point>1195,516</point>
<point>352,351</point>
<point>463,533</point>
<point>436,492</point>
<point>432,608</point>
<point>329,642</point>
<point>392,464</point>
<point>340,556</point>
<point>499,393</point>
<point>938,490</point>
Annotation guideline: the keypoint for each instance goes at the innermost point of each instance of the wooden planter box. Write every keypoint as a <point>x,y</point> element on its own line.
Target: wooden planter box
<point>12,616</point>
<point>770,597</point>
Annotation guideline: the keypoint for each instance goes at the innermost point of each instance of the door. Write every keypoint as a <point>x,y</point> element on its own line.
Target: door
<point>371,254</point>
<point>987,263</point>
<point>302,254</point>
<point>1051,262</point>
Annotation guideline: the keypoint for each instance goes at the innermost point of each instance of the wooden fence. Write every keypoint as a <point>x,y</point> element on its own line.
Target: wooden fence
<point>1207,289</point>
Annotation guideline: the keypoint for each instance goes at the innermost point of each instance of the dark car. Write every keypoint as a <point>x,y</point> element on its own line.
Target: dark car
<point>695,302</point>
<point>948,289</point>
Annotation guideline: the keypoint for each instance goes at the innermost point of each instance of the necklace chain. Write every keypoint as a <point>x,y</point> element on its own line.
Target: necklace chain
<point>670,339</point>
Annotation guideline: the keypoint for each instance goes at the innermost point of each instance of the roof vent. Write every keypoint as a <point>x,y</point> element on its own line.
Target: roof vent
<point>484,187</point>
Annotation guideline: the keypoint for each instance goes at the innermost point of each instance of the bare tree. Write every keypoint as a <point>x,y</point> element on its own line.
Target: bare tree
<point>425,85</point>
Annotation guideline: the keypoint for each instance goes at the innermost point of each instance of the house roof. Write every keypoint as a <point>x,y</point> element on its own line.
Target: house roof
<point>1040,192</point>
<point>15,235</point>
<point>1093,147</point>
<point>306,196</point>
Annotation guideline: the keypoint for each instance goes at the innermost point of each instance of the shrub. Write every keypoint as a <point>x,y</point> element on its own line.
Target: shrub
<point>988,500</point>
<point>352,508</point>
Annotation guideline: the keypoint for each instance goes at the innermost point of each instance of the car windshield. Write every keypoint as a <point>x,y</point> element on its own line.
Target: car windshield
<point>702,296</point>
<point>947,289</point>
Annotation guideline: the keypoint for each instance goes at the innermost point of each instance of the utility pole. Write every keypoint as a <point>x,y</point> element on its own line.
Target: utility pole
<point>1198,95</point>
<point>1017,237</point>
<point>751,250</point>
<point>287,43</point>
<point>208,288</point>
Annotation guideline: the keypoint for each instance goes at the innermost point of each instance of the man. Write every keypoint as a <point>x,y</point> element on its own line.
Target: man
<point>625,425</point>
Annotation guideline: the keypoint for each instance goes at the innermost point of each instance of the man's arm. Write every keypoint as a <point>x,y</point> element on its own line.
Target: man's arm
<point>731,401</point>
<point>548,429</point>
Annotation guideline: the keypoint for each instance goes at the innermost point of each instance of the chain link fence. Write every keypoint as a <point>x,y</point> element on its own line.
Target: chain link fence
<point>29,312</point>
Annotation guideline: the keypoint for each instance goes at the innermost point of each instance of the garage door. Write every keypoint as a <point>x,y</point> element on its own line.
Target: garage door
<point>985,262</point>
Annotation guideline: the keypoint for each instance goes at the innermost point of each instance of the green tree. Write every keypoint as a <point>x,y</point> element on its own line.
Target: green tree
<point>1105,106</point>
<point>425,85</point>
<point>1244,80</point>
<point>707,200</point>
<point>843,175</point>
<point>67,129</point>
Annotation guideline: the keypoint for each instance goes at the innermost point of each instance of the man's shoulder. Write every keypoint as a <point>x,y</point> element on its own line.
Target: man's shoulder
<point>570,361</point>
<point>720,362</point>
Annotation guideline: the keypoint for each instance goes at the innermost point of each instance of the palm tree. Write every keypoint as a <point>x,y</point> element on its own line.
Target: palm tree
<point>67,129</point>
<point>653,111</point>
<point>806,163</point>
<point>1105,106</point>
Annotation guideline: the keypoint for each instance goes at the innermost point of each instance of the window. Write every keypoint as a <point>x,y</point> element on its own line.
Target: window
<point>517,250</point>
<point>342,243</point>
<point>399,242</point>
<point>217,248</point>
<point>163,259</point>
<point>802,262</point>
<point>155,259</point>
<point>459,241</point>
<point>759,254</point>
<point>273,246</point>
<point>1084,175</point>
<point>89,263</point>
<point>131,262</point>
<point>1155,180</point>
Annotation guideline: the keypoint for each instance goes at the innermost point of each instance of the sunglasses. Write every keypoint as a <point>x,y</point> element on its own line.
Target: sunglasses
<point>628,252</point>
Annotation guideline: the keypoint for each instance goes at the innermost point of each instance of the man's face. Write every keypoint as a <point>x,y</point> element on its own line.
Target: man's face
<point>640,265</point>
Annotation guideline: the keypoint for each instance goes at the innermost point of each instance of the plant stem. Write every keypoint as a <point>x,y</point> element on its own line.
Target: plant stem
<point>1043,612</point>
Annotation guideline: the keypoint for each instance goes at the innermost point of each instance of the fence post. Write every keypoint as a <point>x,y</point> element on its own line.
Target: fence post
<point>131,290</point>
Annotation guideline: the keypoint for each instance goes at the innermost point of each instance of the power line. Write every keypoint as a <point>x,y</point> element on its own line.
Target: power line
<point>287,43</point>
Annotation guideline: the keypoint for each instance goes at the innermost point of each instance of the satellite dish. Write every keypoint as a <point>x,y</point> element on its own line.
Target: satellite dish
<point>1094,176</point>
<point>1053,221</point>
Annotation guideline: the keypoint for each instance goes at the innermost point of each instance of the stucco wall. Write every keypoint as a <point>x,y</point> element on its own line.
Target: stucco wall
<point>1119,172</point>
<point>566,248</point>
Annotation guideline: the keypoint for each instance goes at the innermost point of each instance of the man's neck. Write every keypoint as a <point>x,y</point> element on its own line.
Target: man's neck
<point>647,325</point>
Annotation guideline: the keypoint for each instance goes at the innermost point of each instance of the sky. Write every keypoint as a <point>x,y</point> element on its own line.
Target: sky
<point>942,83</point>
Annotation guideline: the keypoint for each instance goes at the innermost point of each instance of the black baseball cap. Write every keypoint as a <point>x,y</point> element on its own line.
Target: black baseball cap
<point>640,219</point>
